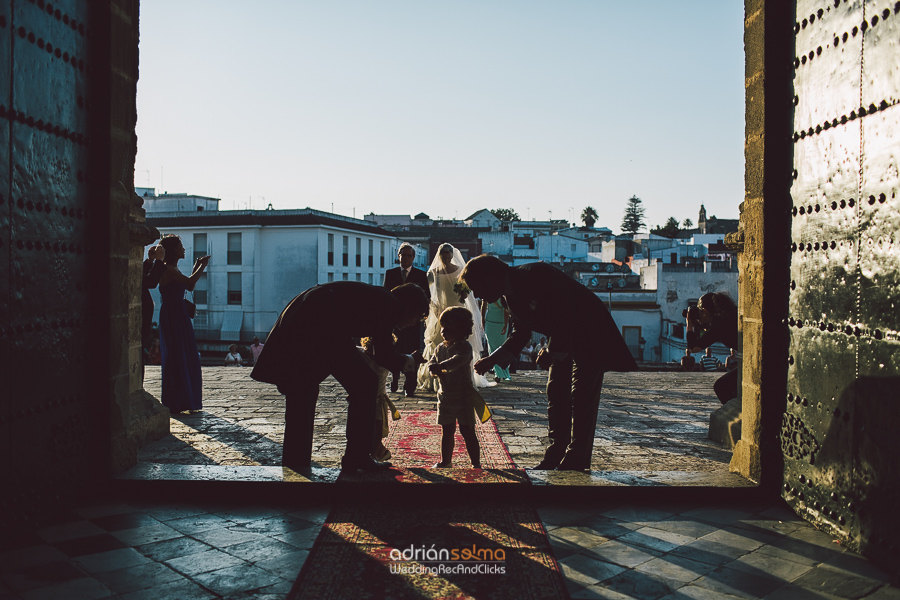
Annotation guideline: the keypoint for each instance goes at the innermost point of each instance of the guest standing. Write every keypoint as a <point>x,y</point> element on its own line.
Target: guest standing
<point>153,269</point>
<point>495,320</point>
<point>255,349</point>
<point>410,339</point>
<point>583,343</point>
<point>181,379</point>
<point>154,358</point>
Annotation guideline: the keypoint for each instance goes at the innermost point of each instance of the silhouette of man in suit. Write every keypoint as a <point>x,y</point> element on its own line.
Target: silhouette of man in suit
<point>410,339</point>
<point>316,336</point>
<point>584,342</point>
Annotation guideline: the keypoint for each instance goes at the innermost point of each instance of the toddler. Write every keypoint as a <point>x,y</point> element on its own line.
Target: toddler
<point>383,404</point>
<point>458,400</point>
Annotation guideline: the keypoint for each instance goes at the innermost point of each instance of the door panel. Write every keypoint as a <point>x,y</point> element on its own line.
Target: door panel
<point>843,400</point>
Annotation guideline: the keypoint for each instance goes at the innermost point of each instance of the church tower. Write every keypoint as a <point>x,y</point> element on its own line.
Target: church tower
<point>701,220</point>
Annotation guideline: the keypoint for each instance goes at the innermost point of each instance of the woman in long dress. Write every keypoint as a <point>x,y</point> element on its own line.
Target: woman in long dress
<point>443,275</point>
<point>181,379</point>
<point>496,321</point>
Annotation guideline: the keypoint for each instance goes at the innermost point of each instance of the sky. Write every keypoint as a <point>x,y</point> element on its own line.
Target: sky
<point>446,107</point>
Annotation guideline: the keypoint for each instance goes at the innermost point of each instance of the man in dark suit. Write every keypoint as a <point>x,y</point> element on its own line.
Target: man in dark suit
<point>584,342</point>
<point>410,339</point>
<point>315,337</point>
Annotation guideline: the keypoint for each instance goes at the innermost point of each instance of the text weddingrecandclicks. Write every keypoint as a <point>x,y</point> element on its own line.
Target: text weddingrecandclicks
<point>444,561</point>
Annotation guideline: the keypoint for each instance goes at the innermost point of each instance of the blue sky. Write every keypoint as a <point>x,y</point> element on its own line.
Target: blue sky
<point>446,107</point>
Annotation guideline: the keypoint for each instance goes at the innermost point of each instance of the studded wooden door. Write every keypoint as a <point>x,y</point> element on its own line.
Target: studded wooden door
<point>45,342</point>
<point>840,430</point>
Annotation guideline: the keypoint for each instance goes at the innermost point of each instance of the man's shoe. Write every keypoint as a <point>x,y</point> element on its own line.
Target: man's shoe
<point>442,465</point>
<point>569,465</point>
<point>409,393</point>
<point>545,465</point>
<point>365,464</point>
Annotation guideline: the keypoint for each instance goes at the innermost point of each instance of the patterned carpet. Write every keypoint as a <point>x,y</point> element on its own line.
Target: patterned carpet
<point>415,445</point>
<point>470,551</point>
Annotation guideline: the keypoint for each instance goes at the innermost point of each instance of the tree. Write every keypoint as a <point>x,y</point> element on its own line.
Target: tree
<point>687,224</point>
<point>670,230</point>
<point>505,214</point>
<point>634,216</point>
<point>589,216</point>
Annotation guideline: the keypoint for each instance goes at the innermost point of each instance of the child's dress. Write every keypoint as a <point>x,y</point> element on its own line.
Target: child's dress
<point>458,400</point>
<point>384,408</point>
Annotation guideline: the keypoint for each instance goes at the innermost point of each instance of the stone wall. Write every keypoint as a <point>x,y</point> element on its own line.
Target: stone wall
<point>764,238</point>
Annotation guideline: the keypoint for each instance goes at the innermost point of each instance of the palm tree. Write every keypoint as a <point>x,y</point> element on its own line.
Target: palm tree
<point>589,216</point>
<point>687,224</point>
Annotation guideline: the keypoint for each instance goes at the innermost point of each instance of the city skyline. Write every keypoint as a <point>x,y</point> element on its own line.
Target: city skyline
<point>402,108</point>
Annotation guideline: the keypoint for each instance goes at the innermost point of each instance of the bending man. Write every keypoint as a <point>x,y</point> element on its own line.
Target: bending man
<point>315,337</point>
<point>584,343</point>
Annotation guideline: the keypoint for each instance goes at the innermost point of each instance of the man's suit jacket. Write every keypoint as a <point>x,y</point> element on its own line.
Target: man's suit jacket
<point>409,339</point>
<point>300,346</point>
<point>542,298</point>
<point>393,278</point>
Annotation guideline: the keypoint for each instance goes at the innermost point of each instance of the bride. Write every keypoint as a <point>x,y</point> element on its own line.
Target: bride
<point>443,275</point>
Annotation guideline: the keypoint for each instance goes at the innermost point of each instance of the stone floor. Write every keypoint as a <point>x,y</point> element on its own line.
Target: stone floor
<point>236,547</point>
<point>662,550</point>
<point>652,427</point>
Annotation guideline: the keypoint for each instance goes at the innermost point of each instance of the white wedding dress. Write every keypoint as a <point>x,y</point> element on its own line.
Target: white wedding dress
<point>441,280</point>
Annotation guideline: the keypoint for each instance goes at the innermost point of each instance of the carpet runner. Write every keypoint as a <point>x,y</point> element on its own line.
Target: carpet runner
<point>415,445</point>
<point>472,551</point>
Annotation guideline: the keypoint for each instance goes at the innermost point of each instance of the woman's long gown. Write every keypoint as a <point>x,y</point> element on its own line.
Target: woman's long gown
<point>181,379</point>
<point>493,331</point>
<point>443,297</point>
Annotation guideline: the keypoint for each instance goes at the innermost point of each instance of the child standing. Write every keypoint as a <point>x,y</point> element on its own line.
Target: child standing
<point>457,396</point>
<point>383,404</point>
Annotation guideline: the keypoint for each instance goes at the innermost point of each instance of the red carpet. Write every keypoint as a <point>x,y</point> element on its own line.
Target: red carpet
<point>415,445</point>
<point>466,552</point>
<point>415,441</point>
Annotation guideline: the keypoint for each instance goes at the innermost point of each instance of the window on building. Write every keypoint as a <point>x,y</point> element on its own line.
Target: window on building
<point>201,290</point>
<point>200,246</point>
<point>371,252</point>
<point>234,288</point>
<point>382,255</point>
<point>359,276</point>
<point>234,248</point>
<point>371,278</point>
<point>358,252</point>
<point>330,277</point>
<point>346,251</point>
<point>573,248</point>
<point>345,276</point>
<point>331,251</point>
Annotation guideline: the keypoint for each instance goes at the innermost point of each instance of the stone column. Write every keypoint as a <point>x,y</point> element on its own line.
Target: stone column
<point>765,235</point>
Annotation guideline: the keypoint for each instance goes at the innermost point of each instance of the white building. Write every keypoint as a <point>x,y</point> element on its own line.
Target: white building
<point>678,287</point>
<point>260,260</point>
